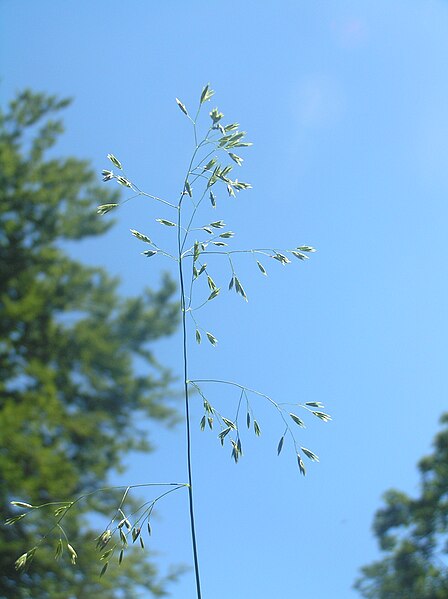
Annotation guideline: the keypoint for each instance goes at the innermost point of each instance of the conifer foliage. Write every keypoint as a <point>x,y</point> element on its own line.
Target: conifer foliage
<point>70,397</point>
<point>413,535</point>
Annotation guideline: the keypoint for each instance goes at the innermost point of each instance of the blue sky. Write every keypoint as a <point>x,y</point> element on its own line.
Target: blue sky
<point>346,103</point>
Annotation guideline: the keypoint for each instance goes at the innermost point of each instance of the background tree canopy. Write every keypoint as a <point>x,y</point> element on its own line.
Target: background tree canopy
<point>413,534</point>
<point>69,394</point>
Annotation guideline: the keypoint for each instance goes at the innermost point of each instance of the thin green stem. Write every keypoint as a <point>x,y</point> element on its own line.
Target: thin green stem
<point>185,368</point>
<point>63,532</point>
<point>153,197</point>
<point>123,499</point>
<point>196,206</point>
<point>189,309</point>
<point>239,405</point>
<point>203,159</point>
<point>243,387</point>
<point>187,417</point>
<point>255,251</point>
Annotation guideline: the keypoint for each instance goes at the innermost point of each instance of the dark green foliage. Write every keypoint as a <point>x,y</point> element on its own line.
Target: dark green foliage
<point>413,534</point>
<point>70,399</point>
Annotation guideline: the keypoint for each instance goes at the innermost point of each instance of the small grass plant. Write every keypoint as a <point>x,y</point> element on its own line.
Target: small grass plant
<point>198,240</point>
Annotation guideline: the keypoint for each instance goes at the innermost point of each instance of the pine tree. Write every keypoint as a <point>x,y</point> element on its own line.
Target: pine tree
<point>70,397</point>
<point>413,535</point>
